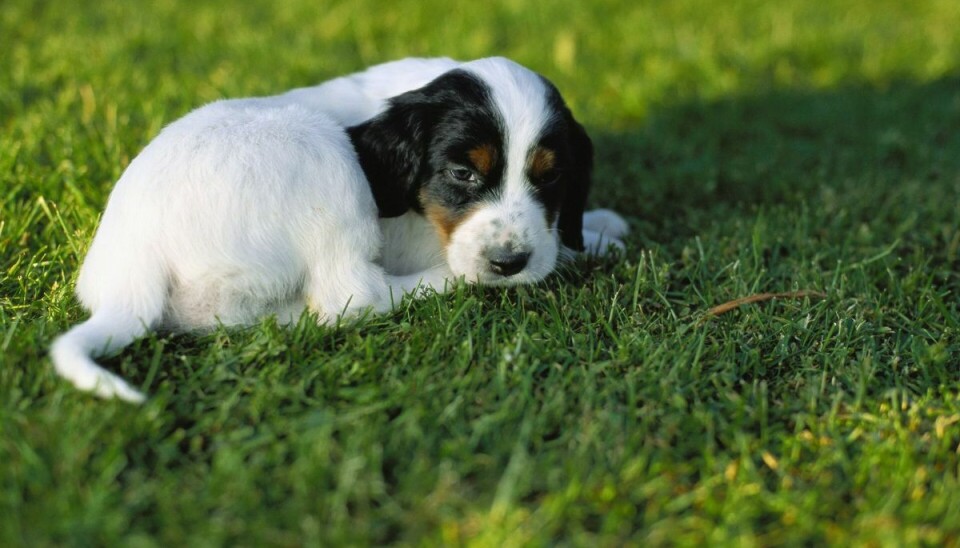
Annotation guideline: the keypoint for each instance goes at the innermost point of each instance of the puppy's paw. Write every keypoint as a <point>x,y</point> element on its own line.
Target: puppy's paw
<point>606,222</point>
<point>600,244</point>
<point>438,279</point>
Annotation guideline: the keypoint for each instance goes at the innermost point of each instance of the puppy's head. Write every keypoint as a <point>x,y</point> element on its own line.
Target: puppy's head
<point>491,155</point>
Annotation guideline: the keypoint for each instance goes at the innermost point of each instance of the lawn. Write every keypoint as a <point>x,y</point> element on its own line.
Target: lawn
<point>753,146</point>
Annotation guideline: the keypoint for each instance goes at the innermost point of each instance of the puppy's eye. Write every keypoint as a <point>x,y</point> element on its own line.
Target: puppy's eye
<point>549,178</point>
<point>462,175</point>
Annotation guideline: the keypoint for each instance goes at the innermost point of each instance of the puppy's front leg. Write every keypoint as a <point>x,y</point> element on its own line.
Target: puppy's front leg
<point>603,231</point>
<point>439,278</point>
<point>368,287</point>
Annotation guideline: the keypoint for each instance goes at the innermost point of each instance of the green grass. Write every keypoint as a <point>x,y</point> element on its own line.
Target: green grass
<point>754,146</point>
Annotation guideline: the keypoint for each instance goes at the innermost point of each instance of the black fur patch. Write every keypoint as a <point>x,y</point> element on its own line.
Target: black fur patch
<point>407,150</point>
<point>574,164</point>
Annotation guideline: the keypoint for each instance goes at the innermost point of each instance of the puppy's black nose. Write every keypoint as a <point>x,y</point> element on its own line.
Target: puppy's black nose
<point>505,262</point>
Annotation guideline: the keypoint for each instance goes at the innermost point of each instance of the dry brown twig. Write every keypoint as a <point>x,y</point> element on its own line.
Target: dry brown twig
<point>760,297</point>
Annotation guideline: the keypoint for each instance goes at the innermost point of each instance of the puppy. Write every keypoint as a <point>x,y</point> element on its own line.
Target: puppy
<point>337,199</point>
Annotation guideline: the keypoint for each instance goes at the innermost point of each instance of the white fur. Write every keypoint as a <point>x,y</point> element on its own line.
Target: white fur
<point>603,230</point>
<point>358,97</point>
<point>253,207</point>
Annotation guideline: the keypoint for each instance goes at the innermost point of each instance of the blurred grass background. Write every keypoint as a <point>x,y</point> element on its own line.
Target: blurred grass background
<point>754,146</point>
<point>616,60</point>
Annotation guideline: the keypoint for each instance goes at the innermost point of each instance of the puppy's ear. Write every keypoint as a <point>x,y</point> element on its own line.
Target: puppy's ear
<point>391,149</point>
<point>578,183</point>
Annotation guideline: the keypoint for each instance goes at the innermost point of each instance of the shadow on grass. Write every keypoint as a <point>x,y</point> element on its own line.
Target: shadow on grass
<point>694,163</point>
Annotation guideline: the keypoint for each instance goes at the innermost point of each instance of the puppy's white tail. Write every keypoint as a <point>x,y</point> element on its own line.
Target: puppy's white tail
<point>107,331</point>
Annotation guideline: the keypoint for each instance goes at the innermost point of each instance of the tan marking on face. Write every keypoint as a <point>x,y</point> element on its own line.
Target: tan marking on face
<point>542,161</point>
<point>444,220</point>
<point>483,158</point>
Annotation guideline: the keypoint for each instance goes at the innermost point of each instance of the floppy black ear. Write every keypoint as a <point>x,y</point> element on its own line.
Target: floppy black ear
<point>391,148</point>
<point>578,181</point>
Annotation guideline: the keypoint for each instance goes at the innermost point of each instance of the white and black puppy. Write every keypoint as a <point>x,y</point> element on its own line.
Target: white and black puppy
<point>338,199</point>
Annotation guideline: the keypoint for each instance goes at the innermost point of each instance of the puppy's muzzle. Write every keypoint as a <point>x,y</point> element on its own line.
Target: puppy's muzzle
<point>505,261</point>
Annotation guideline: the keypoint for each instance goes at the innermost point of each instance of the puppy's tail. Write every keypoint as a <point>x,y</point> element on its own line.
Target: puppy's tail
<point>108,330</point>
